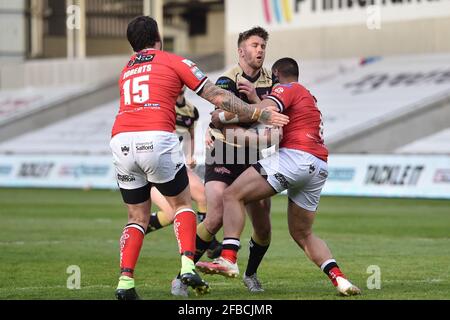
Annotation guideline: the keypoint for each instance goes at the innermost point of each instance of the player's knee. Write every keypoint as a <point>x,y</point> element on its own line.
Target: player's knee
<point>201,200</point>
<point>265,206</point>
<point>231,193</point>
<point>300,236</point>
<point>262,234</point>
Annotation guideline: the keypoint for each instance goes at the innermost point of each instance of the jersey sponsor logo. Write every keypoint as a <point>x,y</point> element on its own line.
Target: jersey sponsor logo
<point>197,73</point>
<point>222,82</point>
<point>279,89</point>
<point>188,62</point>
<point>152,105</point>
<point>144,147</point>
<point>178,165</point>
<point>141,58</point>
<point>223,86</point>
<point>125,178</point>
<point>184,121</point>
<point>125,150</point>
<point>222,170</point>
<point>282,180</point>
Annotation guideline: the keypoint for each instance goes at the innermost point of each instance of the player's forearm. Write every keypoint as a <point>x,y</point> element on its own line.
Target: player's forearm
<point>227,101</point>
<point>254,139</point>
<point>228,117</point>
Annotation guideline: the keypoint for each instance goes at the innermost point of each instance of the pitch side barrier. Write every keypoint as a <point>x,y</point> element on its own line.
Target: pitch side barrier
<point>408,176</point>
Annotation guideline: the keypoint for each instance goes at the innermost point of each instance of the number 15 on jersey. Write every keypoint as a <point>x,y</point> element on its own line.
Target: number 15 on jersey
<point>136,90</point>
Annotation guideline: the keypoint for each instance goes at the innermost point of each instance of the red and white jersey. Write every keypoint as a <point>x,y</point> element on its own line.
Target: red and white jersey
<point>305,128</point>
<point>149,86</point>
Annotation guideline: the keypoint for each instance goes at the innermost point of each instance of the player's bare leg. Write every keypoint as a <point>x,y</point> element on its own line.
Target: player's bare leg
<point>259,213</point>
<point>130,247</point>
<point>185,222</point>
<point>300,228</point>
<point>249,186</point>
<point>197,191</point>
<point>164,216</point>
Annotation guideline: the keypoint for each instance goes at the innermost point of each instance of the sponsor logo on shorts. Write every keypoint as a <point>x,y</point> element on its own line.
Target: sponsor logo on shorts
<point>442,176</point>
<point>125,150</point>
<point>144,147</point>
<point>311,168</point>
<point>222,170</point>
<point>323,173</point>
<point>282,180</point>
<point>125,178</point>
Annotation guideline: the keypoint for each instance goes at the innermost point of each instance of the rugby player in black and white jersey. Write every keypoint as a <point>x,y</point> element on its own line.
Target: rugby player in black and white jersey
<point>249,81</point>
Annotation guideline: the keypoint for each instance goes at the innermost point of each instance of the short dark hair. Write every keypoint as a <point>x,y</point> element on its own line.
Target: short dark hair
<point>287,67</point>
<point>142,32</point>
<point>255,31</point>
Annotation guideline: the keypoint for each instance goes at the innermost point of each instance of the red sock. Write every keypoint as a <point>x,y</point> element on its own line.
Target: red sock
<point>334,273</point>
<point>229,254</point>
<point>130,246</point>
<point>185,227</point>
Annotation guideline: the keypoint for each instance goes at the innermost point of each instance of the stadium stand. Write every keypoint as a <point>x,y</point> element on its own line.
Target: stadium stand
<point>374,108</point>
<point>18,102</point>
<point>89,131</point>
<point>438,143</point>
<point>366,108</point>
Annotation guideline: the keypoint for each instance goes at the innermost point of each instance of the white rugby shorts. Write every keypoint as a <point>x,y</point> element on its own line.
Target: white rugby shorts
<point>146,156</point>
<point>300,173</point>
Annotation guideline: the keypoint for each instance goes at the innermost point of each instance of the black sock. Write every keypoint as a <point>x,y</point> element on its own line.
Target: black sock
<point>257,252</point>
<point>200,216</point>
<point>330,266</point>
<point>154,223</point>
<point>213,243</point>
<point>200,248</point>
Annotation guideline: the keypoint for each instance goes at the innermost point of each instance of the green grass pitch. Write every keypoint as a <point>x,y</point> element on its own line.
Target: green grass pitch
<point>43,232</point>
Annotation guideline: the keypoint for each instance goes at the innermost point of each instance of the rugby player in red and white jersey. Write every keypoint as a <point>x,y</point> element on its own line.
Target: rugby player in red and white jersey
<point>299,166</point>
<point>147,152</point>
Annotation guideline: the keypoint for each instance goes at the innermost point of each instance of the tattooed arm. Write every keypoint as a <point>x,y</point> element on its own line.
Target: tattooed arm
<point>227,101</point>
